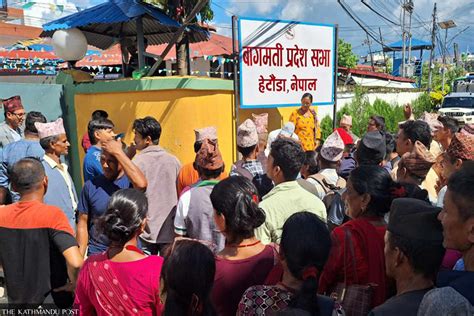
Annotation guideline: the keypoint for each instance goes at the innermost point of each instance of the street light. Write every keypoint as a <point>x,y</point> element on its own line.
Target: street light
<point>446,25</point>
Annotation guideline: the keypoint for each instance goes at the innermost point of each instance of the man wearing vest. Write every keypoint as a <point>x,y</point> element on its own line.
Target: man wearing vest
<point>194,213</point>
<point>61,191</point>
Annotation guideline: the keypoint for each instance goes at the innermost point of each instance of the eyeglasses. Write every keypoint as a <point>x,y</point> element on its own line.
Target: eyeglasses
<point>19,115</point>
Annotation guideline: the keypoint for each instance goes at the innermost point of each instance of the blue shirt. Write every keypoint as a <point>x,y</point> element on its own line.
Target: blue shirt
<point>12,153</point>
<point>92,167</point>
<point>93,202</point>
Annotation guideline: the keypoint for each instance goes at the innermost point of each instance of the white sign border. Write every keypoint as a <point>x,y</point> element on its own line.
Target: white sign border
<point>266,106</point>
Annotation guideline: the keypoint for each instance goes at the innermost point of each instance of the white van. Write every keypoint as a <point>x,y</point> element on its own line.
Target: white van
<point>460,106</point>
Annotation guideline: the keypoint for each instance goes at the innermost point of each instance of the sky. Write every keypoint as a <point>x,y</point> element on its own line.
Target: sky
<point>318,11</point>
<point>330,11</point>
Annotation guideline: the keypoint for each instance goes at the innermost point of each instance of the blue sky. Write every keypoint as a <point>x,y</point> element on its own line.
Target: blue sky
<point>322,11</point>
<point>329,11</point>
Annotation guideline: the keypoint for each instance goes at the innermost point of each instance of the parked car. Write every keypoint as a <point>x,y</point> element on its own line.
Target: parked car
<point>460,106</point>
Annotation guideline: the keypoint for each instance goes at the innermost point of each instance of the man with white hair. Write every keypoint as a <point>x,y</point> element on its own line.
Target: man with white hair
<point>288,130</point>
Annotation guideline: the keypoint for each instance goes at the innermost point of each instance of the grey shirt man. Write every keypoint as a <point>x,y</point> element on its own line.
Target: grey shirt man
<point>161,171</point>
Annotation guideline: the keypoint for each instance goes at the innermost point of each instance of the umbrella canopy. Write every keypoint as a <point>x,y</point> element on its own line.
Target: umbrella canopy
<point>106,24</point>
<point>416,44</point>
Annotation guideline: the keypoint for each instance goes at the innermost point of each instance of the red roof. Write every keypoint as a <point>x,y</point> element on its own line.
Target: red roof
<point>380,75</point>
<point>217,45</point>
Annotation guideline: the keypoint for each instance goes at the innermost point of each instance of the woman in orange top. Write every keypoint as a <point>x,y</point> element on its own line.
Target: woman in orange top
<point>306,123</point>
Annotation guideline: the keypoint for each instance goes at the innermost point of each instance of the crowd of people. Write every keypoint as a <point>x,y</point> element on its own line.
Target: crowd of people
<point>373,224</point>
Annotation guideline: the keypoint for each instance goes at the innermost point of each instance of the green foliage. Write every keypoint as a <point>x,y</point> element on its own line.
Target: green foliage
<point>437,77</point>
<point>345,56</point>
<point>423,103</point>
<point>361,110</point>
<point>206,14</point>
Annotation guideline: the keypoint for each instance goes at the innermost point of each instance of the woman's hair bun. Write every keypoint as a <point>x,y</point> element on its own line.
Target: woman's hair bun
<point>125,213</point>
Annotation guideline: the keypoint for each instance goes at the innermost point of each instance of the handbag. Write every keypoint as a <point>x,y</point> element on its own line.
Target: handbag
<point>356,299</point>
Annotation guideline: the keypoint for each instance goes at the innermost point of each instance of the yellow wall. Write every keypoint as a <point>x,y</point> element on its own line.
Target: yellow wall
<point>179,112</point>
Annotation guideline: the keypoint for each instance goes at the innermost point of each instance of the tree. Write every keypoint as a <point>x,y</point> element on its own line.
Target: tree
<point>345,56</point>
<point>179,10</point>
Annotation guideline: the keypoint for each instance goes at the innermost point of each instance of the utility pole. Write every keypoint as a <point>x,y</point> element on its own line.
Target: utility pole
<point>370,52</point>
<point>445,25</point>
<point>433,39</point>
<point>403,40</point>
<point>383,52</point>
<point>409,8</point>
<point>457,55</point>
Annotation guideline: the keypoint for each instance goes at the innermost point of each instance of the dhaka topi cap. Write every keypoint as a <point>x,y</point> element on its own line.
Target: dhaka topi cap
<point>209,157</point>
<point>461,146</point>
<point>261,121</point>
<point>247,134</point>
<point>12,104</point>
<point>415,219</point>
<point>205,133</point>
<point>50,129</point>
<point>346,119</point>
<point>419,161</point>
<point>333,148</point>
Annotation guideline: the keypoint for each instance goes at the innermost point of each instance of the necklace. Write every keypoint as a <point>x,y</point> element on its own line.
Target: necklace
<point>244,245</point>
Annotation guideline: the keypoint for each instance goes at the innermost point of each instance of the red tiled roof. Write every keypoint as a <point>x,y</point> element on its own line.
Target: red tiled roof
<point>380,75</point>
<point>217,45</point>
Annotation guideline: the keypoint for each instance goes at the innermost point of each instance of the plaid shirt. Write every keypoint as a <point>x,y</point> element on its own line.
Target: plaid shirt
<point>253,166</point>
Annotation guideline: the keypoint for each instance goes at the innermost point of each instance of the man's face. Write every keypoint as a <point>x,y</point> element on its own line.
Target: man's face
<point>448,168</point>
<point>371,126</point>
<point>16,117</point>
<point>458,233</point>
<point>61,146</point>
<point>390,257</point>
<point>345,127</point>
<point>110,166</point>
<point>271,169</point>
<point>441,134</point>
<point>404,145</point>
<point>140,142</point>
<point>104,135</point>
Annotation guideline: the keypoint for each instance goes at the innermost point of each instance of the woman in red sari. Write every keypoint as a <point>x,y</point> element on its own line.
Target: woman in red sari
<point>368,197</point>
<point>121,280</point>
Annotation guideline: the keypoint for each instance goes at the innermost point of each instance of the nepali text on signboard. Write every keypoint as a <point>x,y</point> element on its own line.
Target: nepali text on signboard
<point>280,60</point>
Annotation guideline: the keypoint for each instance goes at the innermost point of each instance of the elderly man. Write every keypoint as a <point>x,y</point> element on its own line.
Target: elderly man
<point>413,254</point>
<point>13,152</point>
<point>346,124</point>
<point>194,213</point>
<point>119,173</point>
<point>10,130</point>
<point>454,294</point>
<point>460,150</point>
<point>61,192</point>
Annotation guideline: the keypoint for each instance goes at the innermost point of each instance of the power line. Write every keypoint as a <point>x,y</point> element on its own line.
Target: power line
<point>352,15</point>
<point>376,12</point>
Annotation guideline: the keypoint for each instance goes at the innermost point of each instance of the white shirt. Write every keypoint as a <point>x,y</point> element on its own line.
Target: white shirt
<point>331,177</point>
<point>274,135</point>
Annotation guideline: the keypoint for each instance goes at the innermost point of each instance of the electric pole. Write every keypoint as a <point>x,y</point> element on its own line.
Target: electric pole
<point>367,41</point>
<point>409,8</point>
<point>383,52</point>
<point>403,40</point>
<point>433,39</point>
